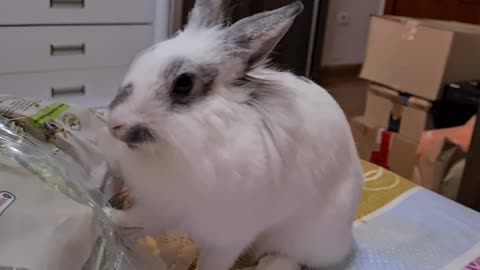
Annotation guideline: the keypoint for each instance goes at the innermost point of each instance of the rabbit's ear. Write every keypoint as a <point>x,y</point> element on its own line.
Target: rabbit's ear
<point>257,36</point>
<point>207,13</point>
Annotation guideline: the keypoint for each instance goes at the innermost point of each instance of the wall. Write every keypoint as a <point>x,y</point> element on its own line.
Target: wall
<point>161,23</point>
<point>347,30</point>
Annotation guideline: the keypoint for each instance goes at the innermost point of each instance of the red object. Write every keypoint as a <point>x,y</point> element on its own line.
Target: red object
<point>381,157</point>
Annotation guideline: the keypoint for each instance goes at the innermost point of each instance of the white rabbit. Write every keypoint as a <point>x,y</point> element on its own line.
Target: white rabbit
<point>237,155</point>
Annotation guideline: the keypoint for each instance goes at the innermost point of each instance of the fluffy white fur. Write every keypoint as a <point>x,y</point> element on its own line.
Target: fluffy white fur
<point>281,175</point>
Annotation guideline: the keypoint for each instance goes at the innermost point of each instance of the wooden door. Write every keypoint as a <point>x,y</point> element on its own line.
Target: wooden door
<point>292,52</point>
<point>454,10</point>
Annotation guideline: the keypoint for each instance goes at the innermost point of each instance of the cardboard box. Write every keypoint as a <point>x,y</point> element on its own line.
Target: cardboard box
<point>418,56</point>
<point>400,157</point>
<point>441,169</point>
<point>365,135</point>
<point>409,116</point>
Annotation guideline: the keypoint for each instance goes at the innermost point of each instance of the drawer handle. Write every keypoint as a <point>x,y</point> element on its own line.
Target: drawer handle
<point>67,3</point>
<point>68,91</point>
<point>67,49</point>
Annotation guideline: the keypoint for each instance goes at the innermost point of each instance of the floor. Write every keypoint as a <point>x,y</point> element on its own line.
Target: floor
<point>349,91</point>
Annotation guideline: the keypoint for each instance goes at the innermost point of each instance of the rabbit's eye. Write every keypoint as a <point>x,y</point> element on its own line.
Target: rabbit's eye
<point>183,85</point>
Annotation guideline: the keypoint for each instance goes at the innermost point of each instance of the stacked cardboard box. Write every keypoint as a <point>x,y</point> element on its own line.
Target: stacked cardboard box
<point>407,63</point>
<point>404,119</point>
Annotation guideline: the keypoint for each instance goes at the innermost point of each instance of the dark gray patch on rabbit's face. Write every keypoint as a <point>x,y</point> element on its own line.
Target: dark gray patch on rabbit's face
<point>203,77</point>
<point>173,68</point>
<point>122,95</point>
<point>138,134</point>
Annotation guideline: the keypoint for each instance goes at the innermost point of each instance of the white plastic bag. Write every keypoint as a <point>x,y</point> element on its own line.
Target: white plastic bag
<point>49,220</point>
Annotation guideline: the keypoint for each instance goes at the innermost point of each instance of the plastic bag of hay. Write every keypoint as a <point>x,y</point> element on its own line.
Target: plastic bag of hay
<point>49,220</point>
<point>78,132</point>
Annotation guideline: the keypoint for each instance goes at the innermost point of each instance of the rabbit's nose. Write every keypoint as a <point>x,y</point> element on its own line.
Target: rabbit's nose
<point>131,133</point>
<point>117,128</point>
<point>118,131</point>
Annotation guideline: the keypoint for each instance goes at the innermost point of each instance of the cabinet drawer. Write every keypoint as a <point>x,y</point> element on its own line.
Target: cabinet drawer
<point>31,49</point>
<point>87,88</point>
<point>27,12</point>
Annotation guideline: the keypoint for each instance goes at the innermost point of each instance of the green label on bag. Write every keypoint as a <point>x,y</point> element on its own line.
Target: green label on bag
<point>49,113</point>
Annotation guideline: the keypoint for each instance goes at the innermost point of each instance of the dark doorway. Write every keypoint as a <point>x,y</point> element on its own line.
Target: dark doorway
<point>301,49</point>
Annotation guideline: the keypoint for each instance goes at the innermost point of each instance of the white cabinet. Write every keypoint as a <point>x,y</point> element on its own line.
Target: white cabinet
<point>40,12</point>
<point>30,49</point>
<point>75,51</point>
